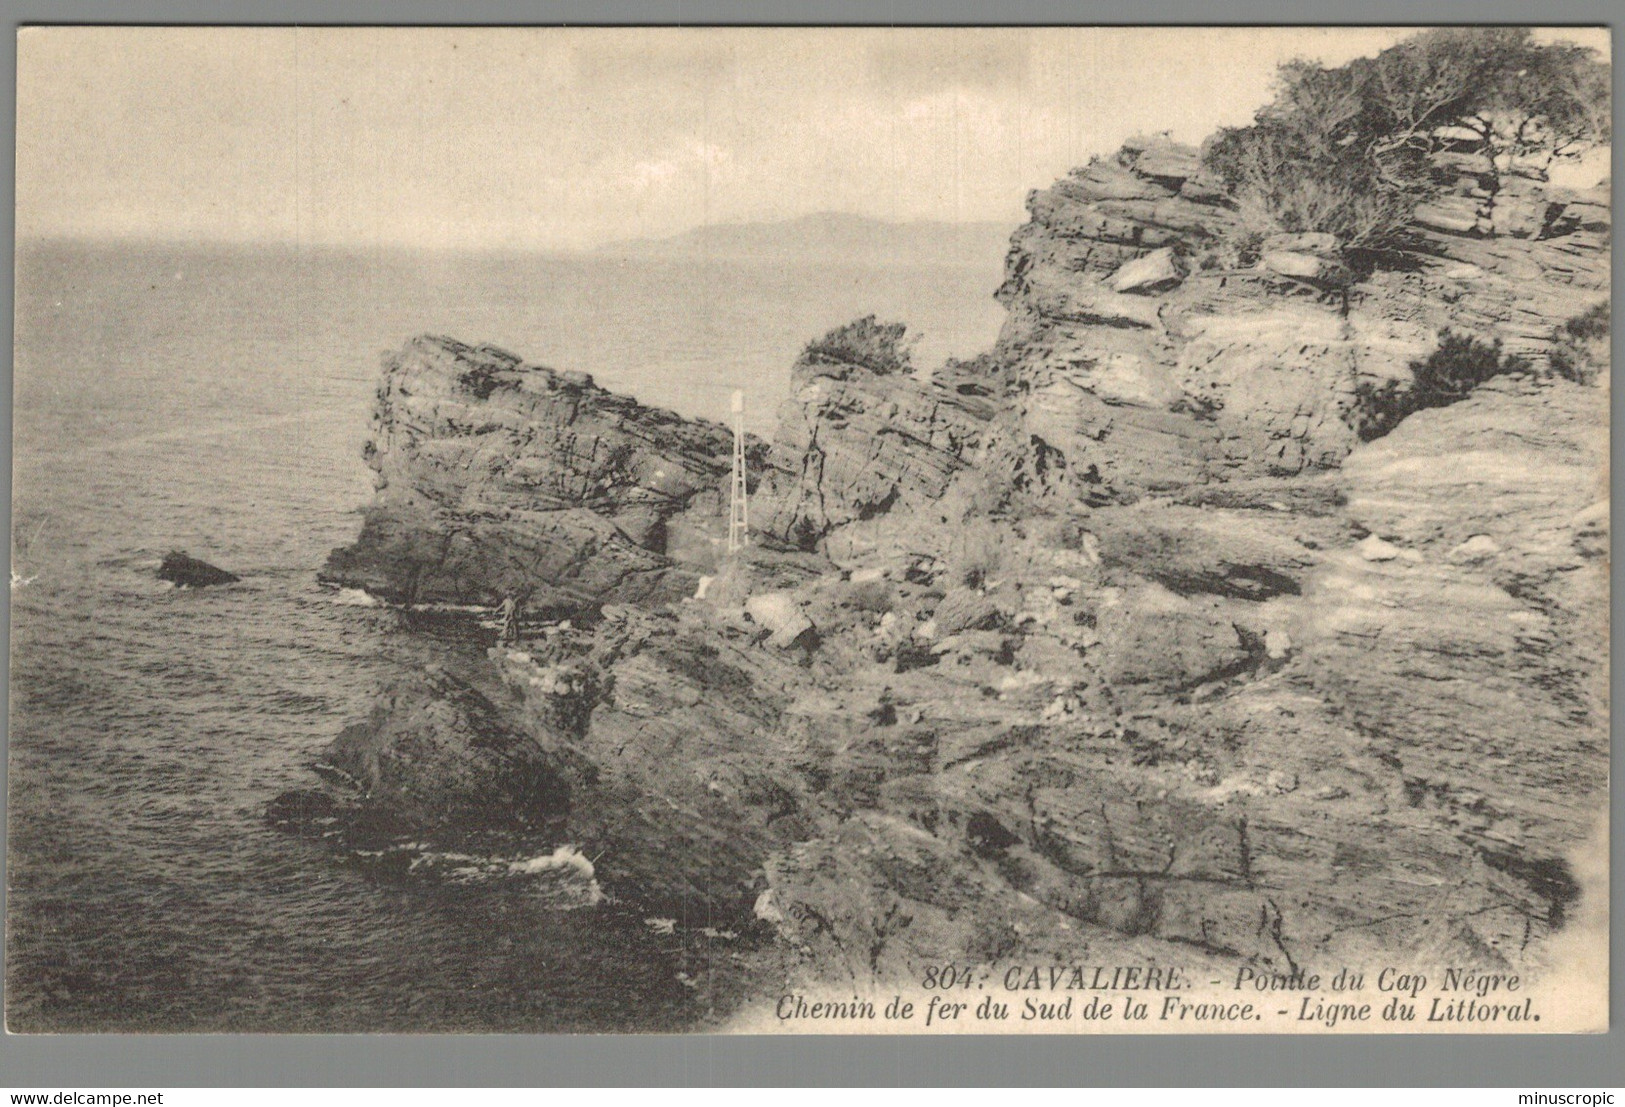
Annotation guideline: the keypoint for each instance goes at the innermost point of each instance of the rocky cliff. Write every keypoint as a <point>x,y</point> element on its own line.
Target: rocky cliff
<point>1118,637</point>
<point>1159,344</point>
<point>496,478</point>
<point>866,444</point>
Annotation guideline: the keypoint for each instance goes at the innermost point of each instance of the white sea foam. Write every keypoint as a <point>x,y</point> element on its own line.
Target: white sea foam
<point>565,857</point>
<point>575,886</point>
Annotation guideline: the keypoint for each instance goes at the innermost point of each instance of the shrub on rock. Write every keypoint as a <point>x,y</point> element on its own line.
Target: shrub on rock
<point>876,346</point>
<point>1580,346</point>
<point>1459,364</point>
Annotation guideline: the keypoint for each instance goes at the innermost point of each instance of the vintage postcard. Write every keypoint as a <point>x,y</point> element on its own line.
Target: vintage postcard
<point>833,531</point>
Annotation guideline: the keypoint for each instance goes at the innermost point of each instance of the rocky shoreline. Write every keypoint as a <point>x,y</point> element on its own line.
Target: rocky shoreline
<point>1116,638</point>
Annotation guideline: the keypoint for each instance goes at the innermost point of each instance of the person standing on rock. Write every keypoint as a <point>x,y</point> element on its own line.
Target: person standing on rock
<point>508,629</point>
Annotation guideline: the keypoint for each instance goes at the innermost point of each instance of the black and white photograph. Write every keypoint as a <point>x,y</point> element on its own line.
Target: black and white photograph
<point>810,530</point>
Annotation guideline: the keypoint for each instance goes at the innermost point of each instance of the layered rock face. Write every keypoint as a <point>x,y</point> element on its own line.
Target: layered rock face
<point>1117,638</point>
<point>497,479</point>
<point>866,448</point>
<point>1496,597</point>
<point>1152,353</point>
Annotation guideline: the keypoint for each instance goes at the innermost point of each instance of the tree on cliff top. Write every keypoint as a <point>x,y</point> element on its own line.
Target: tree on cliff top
<point>876,346</point>
<point>1352,149</point>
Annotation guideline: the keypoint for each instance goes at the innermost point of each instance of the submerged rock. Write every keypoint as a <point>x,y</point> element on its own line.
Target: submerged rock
<point>182,569</point>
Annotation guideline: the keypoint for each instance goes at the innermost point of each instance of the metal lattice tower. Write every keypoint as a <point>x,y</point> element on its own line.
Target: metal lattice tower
<point>739,498</point>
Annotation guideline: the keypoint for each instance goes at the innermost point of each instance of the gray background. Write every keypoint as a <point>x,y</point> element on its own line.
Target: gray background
<point>135,1061</point>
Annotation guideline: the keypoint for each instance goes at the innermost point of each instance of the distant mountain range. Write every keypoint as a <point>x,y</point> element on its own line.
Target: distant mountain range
<point>831,237</point>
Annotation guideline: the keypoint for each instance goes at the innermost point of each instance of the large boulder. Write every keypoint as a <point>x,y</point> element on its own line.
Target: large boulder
<point>1250,555</point>
<point>1161,159</point>
<point>1291,263</point>
<point>1158,639</point>
<point>1452,215</point>
<point>781,615</point>
<point>1156,271</point>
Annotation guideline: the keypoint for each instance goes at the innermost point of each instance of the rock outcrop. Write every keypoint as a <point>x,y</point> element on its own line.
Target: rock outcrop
<point>437,752</point>
<point>497,478</point>
<point>185,571</point>
<point>1151,352</point>
<point>866,447</point>
<point>1118,635</point>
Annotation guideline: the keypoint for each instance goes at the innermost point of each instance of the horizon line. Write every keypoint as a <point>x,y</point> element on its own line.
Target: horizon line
<point>475,244</point>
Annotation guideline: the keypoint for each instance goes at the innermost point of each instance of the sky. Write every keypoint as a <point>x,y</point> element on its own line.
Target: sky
<point>566,138</point>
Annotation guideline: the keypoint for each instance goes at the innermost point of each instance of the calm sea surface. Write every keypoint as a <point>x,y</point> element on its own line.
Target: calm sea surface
<point>214,400</point>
